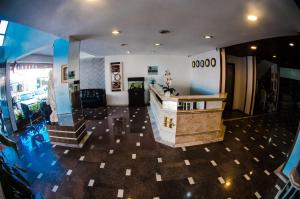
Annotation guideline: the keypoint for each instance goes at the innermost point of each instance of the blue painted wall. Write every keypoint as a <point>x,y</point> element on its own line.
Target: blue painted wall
<point>21,40</point>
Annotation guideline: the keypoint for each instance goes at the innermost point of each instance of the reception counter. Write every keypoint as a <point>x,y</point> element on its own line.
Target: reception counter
<point>186,120</point>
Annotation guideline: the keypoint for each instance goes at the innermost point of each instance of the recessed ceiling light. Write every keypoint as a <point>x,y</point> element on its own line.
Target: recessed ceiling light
<point>128,52</point>
<point>124,44</point>
<point>164,32</point>
<point>157,44</point>
<point>252,17</point>
<point>291,44</point>
<point>208,37</point>
<point>253,47</point>
<point>274,56</point>
<point>116,32</point>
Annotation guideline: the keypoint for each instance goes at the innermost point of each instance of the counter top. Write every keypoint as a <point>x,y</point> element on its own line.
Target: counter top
<point>184,98</point>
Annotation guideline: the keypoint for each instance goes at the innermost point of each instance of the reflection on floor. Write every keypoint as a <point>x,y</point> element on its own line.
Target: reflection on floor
<point>121,159</point>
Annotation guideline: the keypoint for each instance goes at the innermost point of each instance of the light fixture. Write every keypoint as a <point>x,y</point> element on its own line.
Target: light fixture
<point>128,52</point>
<point>116,32</point>
<point>124,44</point>
<point>208,37</point>
<point>292,44</point>
<point>164,31</point>
<point>253,47</point>
<point>3,26</point>
<point>274,56</point>
<point>157,44</point>
<point>252,17</point>
<point>228,183</point>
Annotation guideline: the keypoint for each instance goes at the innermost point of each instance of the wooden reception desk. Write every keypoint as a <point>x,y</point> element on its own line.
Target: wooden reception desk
<point>186,120</point>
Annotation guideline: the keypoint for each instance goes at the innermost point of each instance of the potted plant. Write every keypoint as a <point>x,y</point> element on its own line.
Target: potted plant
<point>168,81</point>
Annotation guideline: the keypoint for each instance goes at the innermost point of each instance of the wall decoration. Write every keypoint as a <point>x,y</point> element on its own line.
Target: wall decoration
<point>193,64</point>
<point>64,73</point>
<point>152,70</point>
<point>197,63</point>
<point>116,76</point>
<point>207,62</point>
<point>213,62</point>
<point>71,74</point>
<point>202,63</point>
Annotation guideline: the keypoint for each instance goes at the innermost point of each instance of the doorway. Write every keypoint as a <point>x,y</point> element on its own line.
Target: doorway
<point>229,86</point>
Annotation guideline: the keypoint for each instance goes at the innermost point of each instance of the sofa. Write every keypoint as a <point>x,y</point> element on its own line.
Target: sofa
<point>93,98</point>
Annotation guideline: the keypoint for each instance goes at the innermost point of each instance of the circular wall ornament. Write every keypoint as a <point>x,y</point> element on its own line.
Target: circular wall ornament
<point>202,63</point>
<point>117,77</point>
<point>207,62</point>
<point>213,62</point>
<point>197,63</point>
<point>193,64</point>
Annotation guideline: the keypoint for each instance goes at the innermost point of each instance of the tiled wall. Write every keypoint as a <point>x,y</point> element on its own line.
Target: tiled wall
<point>92,74</point>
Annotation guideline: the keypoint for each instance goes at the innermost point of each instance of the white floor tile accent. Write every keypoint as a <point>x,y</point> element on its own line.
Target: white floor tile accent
<point>69,172</point>
<point>256,159</point>
<point>143,127</point>
<point>100,137</point>
<point>141,134</point>
<point>120,193</point>
<point>229,132</point>
<point>237,162</point>
<point>277,187</point>
<point>257,195</point>
<point>93,128</point>
<point>133,156</point>
<point>66,151</point>
<point>187,162</point>
<point>247,177</point>
<point>221,180</point>
<point>81,158</point>
<point>118,141</point>
<point>213,163</point>
<point>53,163</point>
<point>183,148</point>
<point>91,182</point>
<point>206,149</point>
<point>155,197</point>
<point>246,148</point>
<point>138,144</point>
<point>107,130</point>
<point>102,165</point>
<point>92,147</point>
<point>158,177</point>
<point>54,189</point>
<point>111,151</point>
<point>40,176</point>
<point>261,146</point>
<point>244,131</point>
<point>128,172</point>
<point>252,138</point>
<point>237,139</point>
<point>228,149</point>
<point>271,156</point>
<point>29,164</point>
<point>191,180</point>
<point>159,160</point>
<point>267,172</point>
<point>100,122</point>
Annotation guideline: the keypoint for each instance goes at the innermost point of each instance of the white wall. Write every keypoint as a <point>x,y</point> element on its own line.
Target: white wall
<point>136,66</point>
<point>206,80</point>
<point>239,82</point>
<point>92,73</point>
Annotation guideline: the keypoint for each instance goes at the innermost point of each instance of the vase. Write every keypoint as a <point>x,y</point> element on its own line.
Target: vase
<point>167,94</point>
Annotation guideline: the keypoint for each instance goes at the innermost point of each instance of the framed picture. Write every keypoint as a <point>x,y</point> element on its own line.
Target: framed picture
<point>116,76</point>
<point>152,70</point>
<point>64,73</point>
<point>71,74</point>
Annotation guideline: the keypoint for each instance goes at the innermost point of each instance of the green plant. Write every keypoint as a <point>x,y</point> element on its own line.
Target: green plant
<point>19,115</point>
<point>14,184</point>
<point>35,107</point>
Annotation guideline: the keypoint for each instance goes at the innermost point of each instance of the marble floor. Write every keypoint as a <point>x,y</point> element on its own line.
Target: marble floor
<point>122,160</point>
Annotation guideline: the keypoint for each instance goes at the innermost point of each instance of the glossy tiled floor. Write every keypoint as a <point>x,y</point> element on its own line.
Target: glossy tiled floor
<point>121,159</point>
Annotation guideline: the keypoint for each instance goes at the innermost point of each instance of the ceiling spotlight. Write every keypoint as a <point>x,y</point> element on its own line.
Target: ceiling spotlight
<point>253,47</point>
<point>128,52</point>
<point>274,56</point>
<point>292,44</point>
<point>164,32</point>
<point>208,37</point>
<point>157,44</point>
<point>116,32</point>
<point>124,44</point>
<point>252,17</point>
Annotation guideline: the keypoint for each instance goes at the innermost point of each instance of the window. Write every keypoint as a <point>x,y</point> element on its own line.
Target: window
<point>3,27</point>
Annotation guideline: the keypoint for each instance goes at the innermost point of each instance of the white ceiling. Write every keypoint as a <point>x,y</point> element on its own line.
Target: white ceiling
<point>141,20</point>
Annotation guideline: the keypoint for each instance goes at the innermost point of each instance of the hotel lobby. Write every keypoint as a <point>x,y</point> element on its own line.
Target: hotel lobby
<point>149,99</point>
